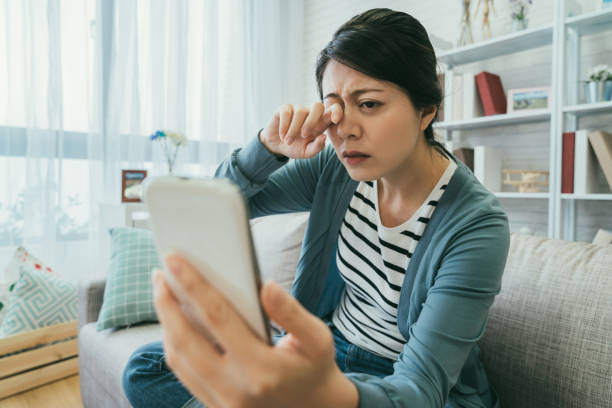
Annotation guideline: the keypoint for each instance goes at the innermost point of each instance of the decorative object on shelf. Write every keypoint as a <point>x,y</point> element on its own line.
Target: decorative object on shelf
<point>465,37</point>
<point>131,185</point>
<point>585,164</point>
<point>598,87</point>
<point>536,98</point>
<point>466,155</point>
<point>519,14</point>
<point>491,93</point>
<point>603,238</point>
<point>567,162</point>
<point>171,142</point>
<point>464,98</point>
<point>487,167</point>
<point>529,181</point>
<point>486,25</point>
<point>602,146</point>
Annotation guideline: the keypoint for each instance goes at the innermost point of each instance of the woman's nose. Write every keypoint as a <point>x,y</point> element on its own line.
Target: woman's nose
<point>347,127</point>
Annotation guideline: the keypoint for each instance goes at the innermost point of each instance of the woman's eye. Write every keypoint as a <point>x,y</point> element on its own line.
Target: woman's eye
<point>369,104</point>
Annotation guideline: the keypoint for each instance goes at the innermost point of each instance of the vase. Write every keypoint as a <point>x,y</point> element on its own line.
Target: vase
<point>519,25</point>
<point>608,90</point>
<point>597,91</point>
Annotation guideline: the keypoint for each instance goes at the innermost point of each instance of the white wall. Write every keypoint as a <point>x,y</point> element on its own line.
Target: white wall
<point>525,146</point>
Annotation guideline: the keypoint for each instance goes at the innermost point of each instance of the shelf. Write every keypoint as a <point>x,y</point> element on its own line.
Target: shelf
<point>586,109</point>
<point>523,195</point>
<point>496,47</point>
<point>495,120</point>
<point>591,23</point>
<point>602,197</point>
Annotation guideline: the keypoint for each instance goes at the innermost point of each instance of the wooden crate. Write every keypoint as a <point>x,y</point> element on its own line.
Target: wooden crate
<point>45,363</point>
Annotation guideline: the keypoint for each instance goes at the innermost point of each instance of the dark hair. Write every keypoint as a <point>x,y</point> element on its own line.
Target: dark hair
<point>391,46</point>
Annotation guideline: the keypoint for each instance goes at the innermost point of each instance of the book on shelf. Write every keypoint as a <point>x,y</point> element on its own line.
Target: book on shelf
<point>454,107</point>
<point>463,101</point>
<point>602,146</point>
<point>466,155</point>
<point>585,164</point>
<point>491,93</point>
<point>441,79</point>
<point>567,163</point>
<point>603,238</point>
<point>472,106</point>
<point>487,167</point>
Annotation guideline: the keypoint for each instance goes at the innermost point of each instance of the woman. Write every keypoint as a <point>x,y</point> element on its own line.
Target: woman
<point>402,258</point>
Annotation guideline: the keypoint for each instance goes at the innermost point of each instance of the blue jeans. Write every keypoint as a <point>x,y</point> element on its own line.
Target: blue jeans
<point>148,382</point>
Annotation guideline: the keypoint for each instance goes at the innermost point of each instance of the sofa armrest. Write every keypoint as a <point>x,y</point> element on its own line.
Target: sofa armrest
<point>90,296</point>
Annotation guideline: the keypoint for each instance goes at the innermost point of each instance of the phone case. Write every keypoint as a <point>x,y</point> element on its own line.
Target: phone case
<point>206,222</point>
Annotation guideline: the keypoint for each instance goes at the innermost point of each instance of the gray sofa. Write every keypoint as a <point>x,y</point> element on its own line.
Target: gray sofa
<point>548,341</point>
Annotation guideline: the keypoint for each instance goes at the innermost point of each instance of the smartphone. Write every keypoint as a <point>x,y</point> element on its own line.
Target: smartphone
<point>206,222</point>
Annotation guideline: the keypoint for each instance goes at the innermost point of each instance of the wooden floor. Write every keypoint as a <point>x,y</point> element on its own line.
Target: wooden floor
<point>64,393</point>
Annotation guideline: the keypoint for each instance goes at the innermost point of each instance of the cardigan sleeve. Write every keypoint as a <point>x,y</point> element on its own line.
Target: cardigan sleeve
<point>452,320</point>
<point>272,185</point>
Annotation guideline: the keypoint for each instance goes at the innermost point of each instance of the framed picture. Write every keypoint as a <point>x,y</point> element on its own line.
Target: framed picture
<point>528,99</point>
<point>131,185</point>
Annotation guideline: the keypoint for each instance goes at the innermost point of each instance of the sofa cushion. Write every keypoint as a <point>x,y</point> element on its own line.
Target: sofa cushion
<point>21,260</point>
<point>278,241</point>
<point>548,341</point>
<point>128,295</point>
<point>39,299</point>
<point>102,359</point>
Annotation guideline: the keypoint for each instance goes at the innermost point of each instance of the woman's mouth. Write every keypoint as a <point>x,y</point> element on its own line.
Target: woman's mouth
<point>353,157</point>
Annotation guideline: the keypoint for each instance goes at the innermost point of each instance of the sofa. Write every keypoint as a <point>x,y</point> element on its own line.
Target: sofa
<point>548,341</point>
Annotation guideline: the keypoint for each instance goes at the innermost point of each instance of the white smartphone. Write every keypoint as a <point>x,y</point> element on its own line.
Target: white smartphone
<point>206,222</point>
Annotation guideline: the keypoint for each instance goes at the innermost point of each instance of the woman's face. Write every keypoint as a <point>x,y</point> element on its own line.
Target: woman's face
<point>380,131</point>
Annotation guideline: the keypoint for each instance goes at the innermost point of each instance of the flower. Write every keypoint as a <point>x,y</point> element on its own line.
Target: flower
<point>600,73</point>
<point>168,138</point>
<point>519,9</point>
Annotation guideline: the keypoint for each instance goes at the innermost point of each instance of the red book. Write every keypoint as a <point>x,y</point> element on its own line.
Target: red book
<point>567,163</point>
<point>491,93</point>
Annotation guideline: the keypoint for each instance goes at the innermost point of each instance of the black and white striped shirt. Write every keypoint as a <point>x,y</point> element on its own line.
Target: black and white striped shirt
<point>372,260</point>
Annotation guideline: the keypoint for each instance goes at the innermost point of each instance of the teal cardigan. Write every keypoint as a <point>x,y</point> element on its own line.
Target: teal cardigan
<point>450,283</point>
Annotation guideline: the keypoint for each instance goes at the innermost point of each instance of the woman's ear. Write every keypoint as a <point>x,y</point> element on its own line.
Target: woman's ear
<point>427,115</point>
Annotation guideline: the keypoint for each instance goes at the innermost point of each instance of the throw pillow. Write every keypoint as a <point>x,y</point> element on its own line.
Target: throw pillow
<point>278,241</point>
<point>38,300</point>
<point>21,259</point>
<point>128,295</point>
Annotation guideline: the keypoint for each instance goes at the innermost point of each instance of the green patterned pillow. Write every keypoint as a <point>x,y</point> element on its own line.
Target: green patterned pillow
<point>39,300</point>
<point>128,296</point>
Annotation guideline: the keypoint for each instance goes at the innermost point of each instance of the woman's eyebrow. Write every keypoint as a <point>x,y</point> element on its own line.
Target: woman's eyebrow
<point>354,94</point>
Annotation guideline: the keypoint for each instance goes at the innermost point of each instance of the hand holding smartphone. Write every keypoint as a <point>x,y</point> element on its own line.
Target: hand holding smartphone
<point>206,222</point>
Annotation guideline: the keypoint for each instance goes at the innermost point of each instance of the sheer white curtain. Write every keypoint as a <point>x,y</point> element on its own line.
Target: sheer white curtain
<point>44,78</point>
<point>213,70</point>
<point>83,83</point>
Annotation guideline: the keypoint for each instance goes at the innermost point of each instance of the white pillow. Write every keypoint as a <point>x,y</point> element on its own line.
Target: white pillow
<point>278,242</point>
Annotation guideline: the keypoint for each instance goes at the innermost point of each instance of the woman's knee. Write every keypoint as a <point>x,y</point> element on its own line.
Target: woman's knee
<point>143,366</point>
<point>148,382</point>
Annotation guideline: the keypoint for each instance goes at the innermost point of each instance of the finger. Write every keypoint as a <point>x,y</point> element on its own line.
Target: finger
<point>299,116</point>
<point>315,146</point>
<point>180,332</point>
<point>316,111</point>
<point>291,315</point>
<point>285,115</point>
<point>332,115</point>
<point>217,313</point>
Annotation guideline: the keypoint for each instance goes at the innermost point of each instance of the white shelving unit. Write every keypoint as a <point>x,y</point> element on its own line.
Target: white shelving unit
<point>564,36</point>
<point>573,28</point>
